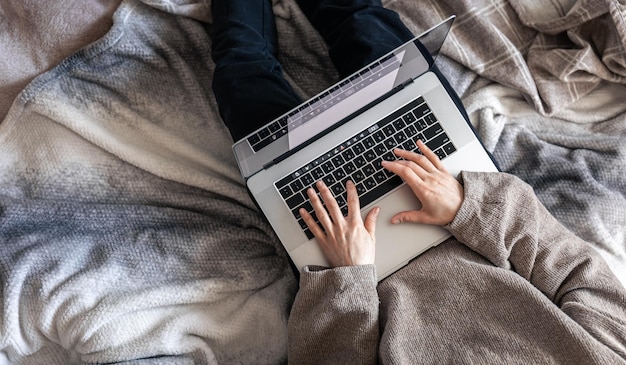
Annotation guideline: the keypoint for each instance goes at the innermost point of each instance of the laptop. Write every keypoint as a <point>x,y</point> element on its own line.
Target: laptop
<point>344,133</point>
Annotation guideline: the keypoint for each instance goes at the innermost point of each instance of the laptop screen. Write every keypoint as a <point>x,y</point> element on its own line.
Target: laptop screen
<point>366,85</point>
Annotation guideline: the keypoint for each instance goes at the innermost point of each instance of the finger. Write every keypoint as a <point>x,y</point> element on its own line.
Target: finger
<point>317,231</point>
<point>415,216</point>
<point>407,170</point>
<point>412,174</point>
<point>432,156</point>
<point>320,211</point>
<point>370,221</point>
<point>354,208</point>
<point>329,200</point>
<point>420,160</point>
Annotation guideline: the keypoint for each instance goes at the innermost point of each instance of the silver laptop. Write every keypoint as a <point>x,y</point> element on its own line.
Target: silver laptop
<point>344,133</point>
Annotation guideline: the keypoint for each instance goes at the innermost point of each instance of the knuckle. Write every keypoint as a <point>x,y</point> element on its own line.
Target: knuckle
<point>404,169</point>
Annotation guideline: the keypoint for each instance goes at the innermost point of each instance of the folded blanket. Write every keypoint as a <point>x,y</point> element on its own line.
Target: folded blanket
<point>127,233</point>
<point>36,35</point>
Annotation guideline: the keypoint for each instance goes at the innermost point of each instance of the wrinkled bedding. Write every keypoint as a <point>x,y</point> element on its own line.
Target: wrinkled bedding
<point>126,230</point>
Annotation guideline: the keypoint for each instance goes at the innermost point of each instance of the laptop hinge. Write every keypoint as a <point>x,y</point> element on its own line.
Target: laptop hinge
<point>269,164</point>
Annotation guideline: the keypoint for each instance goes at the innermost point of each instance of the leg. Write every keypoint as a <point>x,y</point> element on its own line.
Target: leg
<point>357,31</point>
<point>248,82</point>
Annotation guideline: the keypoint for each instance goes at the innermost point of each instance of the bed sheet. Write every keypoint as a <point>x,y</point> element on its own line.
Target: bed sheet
<point>127,233</point>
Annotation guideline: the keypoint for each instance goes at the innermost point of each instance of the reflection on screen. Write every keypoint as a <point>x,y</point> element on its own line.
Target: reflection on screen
<point>343,99</point>
<point>354,93</point>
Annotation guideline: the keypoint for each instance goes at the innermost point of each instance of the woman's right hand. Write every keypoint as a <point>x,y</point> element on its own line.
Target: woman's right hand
<point>439,192</point>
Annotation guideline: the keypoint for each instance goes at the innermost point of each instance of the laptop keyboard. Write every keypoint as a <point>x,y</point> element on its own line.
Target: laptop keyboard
<point>359,159</point>
<point>323,102</point>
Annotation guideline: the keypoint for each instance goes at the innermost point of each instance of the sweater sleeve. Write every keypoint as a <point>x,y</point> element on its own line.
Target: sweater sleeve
<point>502,220</point>
<point>334,319</point>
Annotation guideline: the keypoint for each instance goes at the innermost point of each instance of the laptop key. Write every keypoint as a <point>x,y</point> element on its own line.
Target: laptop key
<point>380,149</point>
<point>360,161</point>
<point>370,155</point>
<point>296,211</point>
<point>360,189</point>
<point>338,161</point>
<point>329,180</point>
<point>400,137</point>
<point>377,163</point>
<point>438,141</point>
<point>254,139</point>
<point>295,201</point>
<point>390,143</point>
<point>369,183</point>
<point>433,131</point>
<point>421,124</point>
<point>408,145</point>
<point>379,136</point>
<point>409,118</point>
<point>430,119</point>
<point>449,148</point>
<point>349,167</point>
<point>317,174</point>
<point>369,170</point>
<point>358,148</point>
<point>327,167</point>
<point>339,174</point>
<point>380,176</point>
<point>286,192</point>
<point>400,123</point>
<point>264,143</point>
<point>338,189</point>
<point>422,110</point>
<point>296,185</point>
<point>369,142</point>
<point>389,130</point>
<point>307,180</point>
<point>264,133</point>
<point>341,201</point>
<point>380,190</point>
<point>357,176</point>
<point>389,156</point>
<point>411,130</point>
<point>349,154</point>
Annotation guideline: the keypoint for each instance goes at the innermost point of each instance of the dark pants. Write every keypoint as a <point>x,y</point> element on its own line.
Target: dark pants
<point>248,81</point>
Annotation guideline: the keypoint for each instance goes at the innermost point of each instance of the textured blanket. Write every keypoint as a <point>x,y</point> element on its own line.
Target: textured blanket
<point>126,231</point>
<point>36,35</point>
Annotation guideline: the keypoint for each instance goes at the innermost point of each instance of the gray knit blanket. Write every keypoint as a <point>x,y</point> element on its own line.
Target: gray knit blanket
<point>127,234</point>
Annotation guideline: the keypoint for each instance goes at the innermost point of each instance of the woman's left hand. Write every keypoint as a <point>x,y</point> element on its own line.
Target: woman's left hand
<point>344,241</point>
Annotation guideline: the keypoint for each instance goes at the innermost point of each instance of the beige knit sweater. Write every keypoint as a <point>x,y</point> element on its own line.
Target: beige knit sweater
<point>514,286</point>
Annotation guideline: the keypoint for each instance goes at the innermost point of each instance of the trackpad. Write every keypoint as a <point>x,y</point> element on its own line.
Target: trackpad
<point>396,244</point>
